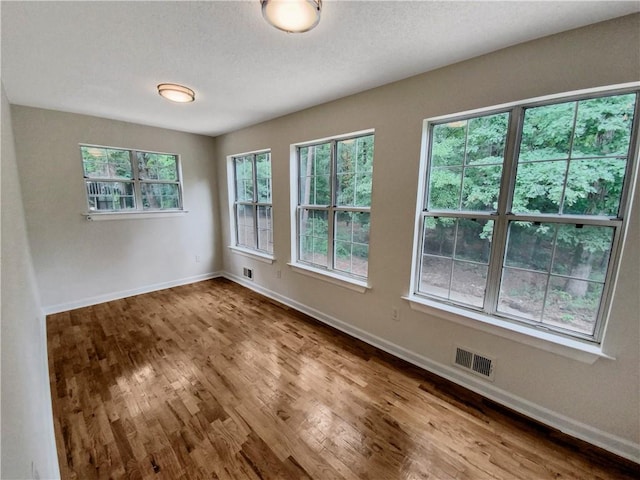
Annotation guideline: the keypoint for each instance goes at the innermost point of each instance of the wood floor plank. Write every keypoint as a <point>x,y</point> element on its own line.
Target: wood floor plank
<point>213,381</point>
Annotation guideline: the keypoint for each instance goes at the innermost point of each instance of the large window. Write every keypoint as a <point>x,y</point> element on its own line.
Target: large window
<point>122,180</point>
<point>334,200</point>
<point>524,208</point>
<point>252,201</point>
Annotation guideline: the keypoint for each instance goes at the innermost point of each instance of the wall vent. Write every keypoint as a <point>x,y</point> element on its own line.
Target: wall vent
<point>247,272</point>
<point>473,362</point>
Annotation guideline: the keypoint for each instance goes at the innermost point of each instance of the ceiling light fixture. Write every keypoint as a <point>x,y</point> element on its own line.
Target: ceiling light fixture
<point>292,16</point>
<point>176,93</point>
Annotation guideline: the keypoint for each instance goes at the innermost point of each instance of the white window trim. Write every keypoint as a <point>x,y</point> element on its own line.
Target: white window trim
<point>139,212</point>
<point>587,351</point>
<point>100,216</point>
<point>332,276</point>
<point>256,254</point>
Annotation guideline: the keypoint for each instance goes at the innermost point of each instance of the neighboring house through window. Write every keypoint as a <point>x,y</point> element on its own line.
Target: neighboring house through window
<point>523,211</point>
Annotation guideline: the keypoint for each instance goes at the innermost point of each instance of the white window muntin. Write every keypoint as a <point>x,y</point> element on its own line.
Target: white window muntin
<point>254,204</point>
<point>331,208</point>
<point>502,216</point>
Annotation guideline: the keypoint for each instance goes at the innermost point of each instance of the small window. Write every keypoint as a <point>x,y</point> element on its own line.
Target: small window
<point>122,180</point>
<point>252,201</point>
<point>333,208</point>
<point>524,211</point>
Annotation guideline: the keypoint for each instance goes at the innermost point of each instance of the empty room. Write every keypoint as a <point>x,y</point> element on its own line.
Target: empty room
<point>304,239</point>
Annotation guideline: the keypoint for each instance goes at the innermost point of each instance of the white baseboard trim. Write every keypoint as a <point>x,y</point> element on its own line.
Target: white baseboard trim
<point>86,302</point>
<point>612,443</point>
<point>52,469</point>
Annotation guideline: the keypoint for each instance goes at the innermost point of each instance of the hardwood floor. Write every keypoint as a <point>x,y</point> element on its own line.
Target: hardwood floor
<point>212,381</point>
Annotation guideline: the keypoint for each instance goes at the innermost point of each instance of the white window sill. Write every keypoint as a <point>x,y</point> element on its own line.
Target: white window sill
<point>360,286</point>
<point>137,215</point>
<point>245,252</point>
<point>548,341</point>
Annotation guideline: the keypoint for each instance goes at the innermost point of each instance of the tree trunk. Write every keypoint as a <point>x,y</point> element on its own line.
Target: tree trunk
<point>582,269</point>
<point>307,186</point>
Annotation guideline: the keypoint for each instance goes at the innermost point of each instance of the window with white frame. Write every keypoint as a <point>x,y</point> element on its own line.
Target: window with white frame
<point>125,180</point>
<point>334,202</point>
<point>252,201</point>
<point>523,210</point>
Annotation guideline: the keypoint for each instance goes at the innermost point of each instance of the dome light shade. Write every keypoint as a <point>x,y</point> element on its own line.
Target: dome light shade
<point>292,16</point>
<point>176,93</point>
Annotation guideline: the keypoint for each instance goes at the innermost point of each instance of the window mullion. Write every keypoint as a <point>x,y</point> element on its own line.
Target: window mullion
<point>137,186</point>
<point>331,217</point>
<point>505,200</point>
<point>254,204</point>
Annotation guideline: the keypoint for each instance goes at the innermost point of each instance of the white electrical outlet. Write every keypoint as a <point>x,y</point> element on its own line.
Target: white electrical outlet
<point>197,258</point>
<point>278,273</point>
<point>395,314</point>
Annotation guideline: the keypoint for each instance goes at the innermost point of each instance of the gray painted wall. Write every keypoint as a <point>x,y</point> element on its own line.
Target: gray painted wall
<point>77,261</point>
<point>599,401</point>
<point>28,444</point>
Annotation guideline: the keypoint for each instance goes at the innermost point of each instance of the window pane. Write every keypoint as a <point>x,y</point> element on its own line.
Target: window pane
<point>160,196</point>
<point>539,187</point>
<point>573,304</point>
<point>263,177</point>
<point>522,293</point>
<point>110,196</point>
<point>439,236</point>
<point>473,240</point>
<point>265,229</point>
<point>157,166</point>
<point>603,126</point>
<point>245,226</point>
<point>315,174</point>
<point>448,144</point>
<point>546,132</point>
<point>530,246</point>
<point>106,162</point>
<point>468,242</point>
<point>583,252</point>
<point>486,139</point>
<point>244,179</point>
<point>472,150</point>
<point>594,187</point>
<point>555,273</point>
<point>445,185</point>
<point>314,237</point>
<point>468,281</point>
<point>435,276</point>
<point>354,171</point>
<point>551,178</point>
<point>481,187</point>
<point>352,242</point>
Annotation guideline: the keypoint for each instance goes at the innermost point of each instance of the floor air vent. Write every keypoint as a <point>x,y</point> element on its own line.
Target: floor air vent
<point>480,365</point>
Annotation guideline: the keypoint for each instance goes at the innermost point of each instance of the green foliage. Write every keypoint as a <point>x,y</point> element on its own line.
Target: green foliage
<point>572,160</point>
<point>106,163</point>
<point>157,166</point>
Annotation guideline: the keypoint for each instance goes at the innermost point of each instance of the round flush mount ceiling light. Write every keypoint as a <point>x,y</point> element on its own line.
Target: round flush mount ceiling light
<point>176,93</point>
<point>292,16</point>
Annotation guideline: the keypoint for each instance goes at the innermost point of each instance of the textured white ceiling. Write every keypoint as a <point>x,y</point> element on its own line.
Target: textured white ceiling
<point>106,58</point>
